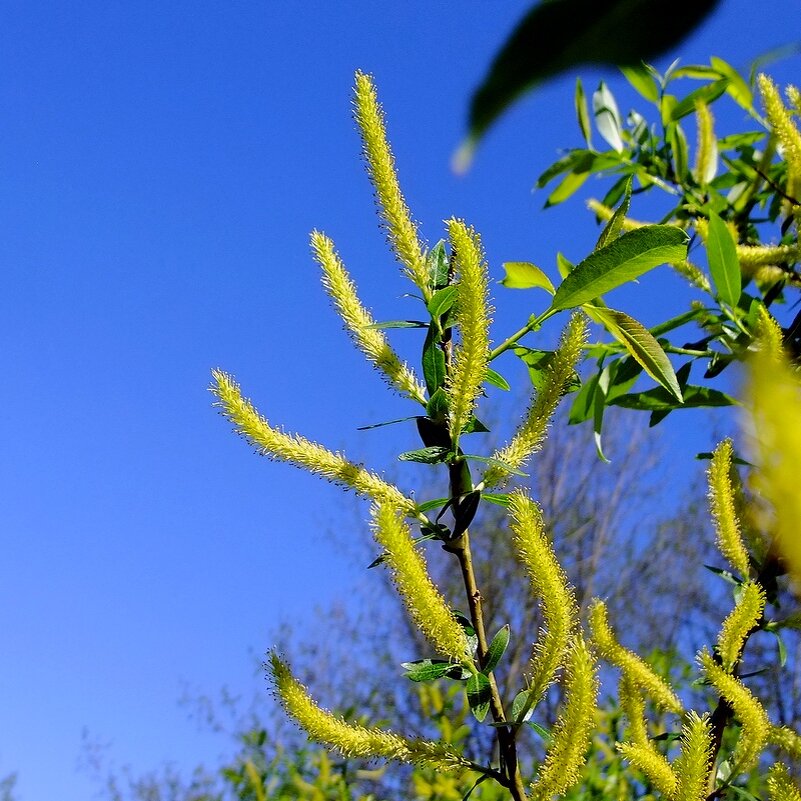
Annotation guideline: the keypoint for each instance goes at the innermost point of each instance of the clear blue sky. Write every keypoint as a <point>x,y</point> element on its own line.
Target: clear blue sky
<point>161,166</point>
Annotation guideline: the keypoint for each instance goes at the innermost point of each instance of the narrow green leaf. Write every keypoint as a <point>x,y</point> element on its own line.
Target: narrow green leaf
<point>480,780</point>
<point>519,706</point>
<point>498,498</point>
<point>432,455</point>
<point>432,504</point>
<point>738,89</point>
<point>399,324</point>
<point>678,148</point>
<point>387,423</point>
<point>541,730</point>
<point>428,669</point>
<point>497,648</point>
<point>582,113</point>
<point>704,94</point>
<point>658,399</point>
<point>433,362</point>
<point>675,322</point>
<point>437,406</point>
<point>613,228</point>
<point>642,80</point>
<point>478,695</point>
<point>489,460</point>
<point>622,260</point>
<point>599,407</point>
<point>497,380</point>
<point>568,186</point>
<point>583,403</point>
<point>724,266</point>
<point>537,362</point>
<point>641,344</point>
<point>564,265</point>
<point>442,300</point>
<point>438,266</point>
<point>523,275</point>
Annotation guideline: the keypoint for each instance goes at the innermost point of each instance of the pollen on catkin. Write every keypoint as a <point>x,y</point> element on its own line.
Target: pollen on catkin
<point>531,434</point>
<point>693,763</point>
<point>570,736</point>
<point>739,623</point>
<point>749,711</point>
<point>471,355</point>
<point>358,320</point>
<point>706,157</point>
<point>649,761</point>
<point>721,501</point>
<point>640,673</point>
<point>780,785</point>
<point>549,584</point>
<point>401,230</point>
<point>351,739</point>
<point>785,739</point>
<point>425,604</point>
<point>298,450</point>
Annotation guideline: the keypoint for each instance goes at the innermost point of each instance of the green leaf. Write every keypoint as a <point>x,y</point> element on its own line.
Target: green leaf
<point>489,460</point>
<point>564,265</point>
<point>387,423</point>
<point>432,455</point>
<point>598,408</point>
<point>428,669</point>
<point>474,426</point>
<point>622,260</point>
<point>568,186</point>
<point>537,362</point>
<point>432,504</point>
<point>438,266</point>
<point>433,362</point>
<point>613,228</point>
<point>678,148</point>
<point>607,117</point>
<point>642,80</point>
<point>498,498</point>
<point>398,324</point>
<point>704,94</point>
<point>659,400</point>
<point>497,380</point>
<point>478,695</point>
<point>558,35</point>
<point>738,88</point>
<point>523,275</point>
<point>541,730</point>
<point>478,781</point>
<point>641,344</point>
<point>497,648</point>
<point>582,114</point>
<point>437,406</point>
<point>442,300</point>
<point>675,322</point>
<point>724,266</point>
<point>584,401</point>
<point>519,706</point>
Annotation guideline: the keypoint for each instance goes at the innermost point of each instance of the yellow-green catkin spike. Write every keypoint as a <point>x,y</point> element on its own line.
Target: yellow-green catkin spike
<point>785,739</point>
<point>780,785</point>
<point>794,98</point>
<point>750,712</point>
<point>350,739</point>
<point>549,584</point>
<point>706,157</point>
<point>693,764</point>
<point>739,624</point>
<point>471,356</point>
<point>298,450</point>
<point>401,230</point>
<point>570,736</point>
<point>721,502</point>
<point>781,122</point>
<point>358,320</point>
<point>632,665</point>
<point>774,399</point>
<point>531,434</point>
<point>423,600</point>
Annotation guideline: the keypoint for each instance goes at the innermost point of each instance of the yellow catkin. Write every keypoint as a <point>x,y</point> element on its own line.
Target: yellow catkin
<point>780,785</point>
<point>706,157</point>
<point>531,434</point>
<point>423,600</point>
<point>632,665</point>
<point>752,257</point>
<point>693,763</point>
<point>401,230</point>
<point>471,356</point>
<point>549,584</point>
<point>739,623</point>
<point>348,738</point>
<point>570,737</point>
<point>721,502</point>
<point>358,320</point>
<point>781,121</point>
<point>774,400</point>
<point>298,450</point>
<point>794,98</point>
<point>750,712</point>
<point>785,739</point>
<point>693,274</point>
<point>650,762</point>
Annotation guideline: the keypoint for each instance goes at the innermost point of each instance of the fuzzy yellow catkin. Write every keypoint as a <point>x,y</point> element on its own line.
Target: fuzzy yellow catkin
<point>785,739</point>
<point>351,739</point>
<point>632,665</point>
<point>750,712</point>
<point>570,736</point>
<point>721,502</point>
<point>425,604</point>
<point>531,434</point>
<point>706,158</point>
<point>298,450</point>
<point>780,785</point>
<point>549,584</point>
<point>471,356</point>
<point>650,762</point>
<point>358,320</point>
<point>401,230</point>
<point>739,623</point>
<point>693,763</point>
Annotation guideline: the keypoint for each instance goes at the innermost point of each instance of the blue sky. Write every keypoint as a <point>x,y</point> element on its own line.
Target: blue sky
<point>161,167</point>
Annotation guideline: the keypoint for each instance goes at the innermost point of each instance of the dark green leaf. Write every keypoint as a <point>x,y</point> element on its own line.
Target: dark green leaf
<point>496,379</point>
<point>388,423</point>
<point>704,94</point>
<point>561,34</point>
<point>438,266</point>
<point>726,575</point>
<point>478,695</point>
<point>432,504</point>
<point>426,669</point>
<point>584,402</point>
<point>437,406</point>
<point>478,781</point>
<point>678,148</point>
<point>613,228</point>
<point>442,300</point>
<point>433,362</point>
<point>474,426</point>
<point>623,260</point>
<point>659,399</point>
<point>399,324</point>
<point>497,648</point>
<point>541,730</point>
<point>432,455</point>
<point>523,275</point>
<point>675,322</point>
<point>582,114</point>
<point>519,706</point>
<point>724,265</point>
<point>498,498</point>
<point>464,510</point>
